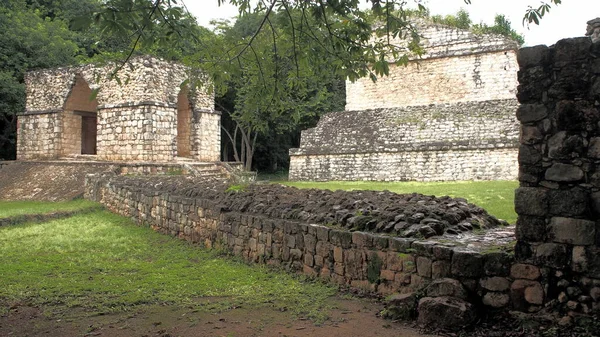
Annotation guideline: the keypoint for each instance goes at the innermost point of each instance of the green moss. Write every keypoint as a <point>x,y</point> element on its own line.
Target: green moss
<point>374,268</point>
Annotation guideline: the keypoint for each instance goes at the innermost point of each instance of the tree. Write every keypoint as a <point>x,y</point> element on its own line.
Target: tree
<point>28,41</point>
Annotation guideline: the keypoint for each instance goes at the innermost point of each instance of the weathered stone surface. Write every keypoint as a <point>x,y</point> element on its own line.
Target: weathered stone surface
<point>497,284</point>
<point>424,266</point>
<point>533,56</point>
<point>401,306</point>
<point>552,255</point>
<point>594,148</point>
<point>497,264</point>
<point>595,201</point>
<point>530,228</point>
<point>527,113</point>
<point>563,146</point>
<point>496,300</point>
<point>529,155</point>
<point>572,231</point>
<point>134,122</point>
<point>524,293</point>
<point>446,287</point>
<point>525,271</point>
<point>440,269</point>
<point>467,264</point>
<point>568,202</point>
<point>446,313</point>
<point>531,201</point>
<point>530,135</point>
<point>564,172</point>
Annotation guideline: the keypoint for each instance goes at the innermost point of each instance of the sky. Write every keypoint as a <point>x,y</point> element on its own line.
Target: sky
<point>565,20</point>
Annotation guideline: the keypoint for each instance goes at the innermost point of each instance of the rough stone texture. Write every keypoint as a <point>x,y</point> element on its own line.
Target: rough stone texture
<point>458,66</point>
<point>558,201</point>
<point>463,141</point>
<point>447,313</point>
<point>284,226</point>
<point>135,121</point>
<point>427,121</point>
<point>593,29</point>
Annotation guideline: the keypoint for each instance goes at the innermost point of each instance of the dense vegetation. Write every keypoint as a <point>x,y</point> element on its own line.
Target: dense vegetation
<point>276,70</point>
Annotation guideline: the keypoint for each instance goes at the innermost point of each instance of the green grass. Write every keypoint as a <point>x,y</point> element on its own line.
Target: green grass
<point>104,263</point>
<point>14,208</point>
<point>497,197</point>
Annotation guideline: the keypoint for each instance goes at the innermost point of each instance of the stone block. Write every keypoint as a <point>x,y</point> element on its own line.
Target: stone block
<point>497,284</point>
<point>497,264</point>
<point>362,240</point>
<point>528,113</point>
<point>595,203</point>
<point>563,145</point>
<point>440,269</point>
<point>533,56</point>
<point>572,231</point>
<point>552,255</point>
<point>531,201</point>
<point>394,262</point>
<point>525,271</point>
<point>401,245</point>
<point>570,202</point>
<point>467,264</point>
<point>340,238</point>
<point>529,155</point>
<point>594,148</point>
<point>523,293</point>
<point>424,266</point>
<point>401,306</point>
<point>572,49</point>
<point>496,300</point>
<point>442,252</point>
<point>530,228</point>
<point>564,173</point>
<point>530,135</point>
<point>446,313</point>
<point>446,287</point>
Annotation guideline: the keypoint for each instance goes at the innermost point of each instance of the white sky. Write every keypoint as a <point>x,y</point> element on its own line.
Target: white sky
<point>566,20</point>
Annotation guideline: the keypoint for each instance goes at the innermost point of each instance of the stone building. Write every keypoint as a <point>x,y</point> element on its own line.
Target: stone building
<point>447,115</point>
<point>145,115</point>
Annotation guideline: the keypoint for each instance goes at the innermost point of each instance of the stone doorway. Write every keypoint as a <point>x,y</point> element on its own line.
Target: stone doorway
<point>184,125</point>
<point>89,131</point>
<point>79,121</point>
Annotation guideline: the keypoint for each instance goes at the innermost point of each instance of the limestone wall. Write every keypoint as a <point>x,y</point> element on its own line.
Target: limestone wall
<point>461,141</point>
<point>457,66</point>
<point>39,136</point>
<point>447,115</point>
<point>136,112</point>
<point>558,201</point>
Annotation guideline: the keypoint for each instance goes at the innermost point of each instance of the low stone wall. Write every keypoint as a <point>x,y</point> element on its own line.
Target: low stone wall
<point>481,275</point>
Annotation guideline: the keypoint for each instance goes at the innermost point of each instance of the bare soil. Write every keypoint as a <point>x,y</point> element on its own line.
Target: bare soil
<point>349,317</point>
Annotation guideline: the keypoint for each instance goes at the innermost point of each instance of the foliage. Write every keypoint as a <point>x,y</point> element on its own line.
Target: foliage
<point>502,25</point>
<point>102,262</point>
<point>28,41</point>
<point>497,197</point>
<point>534,15</point>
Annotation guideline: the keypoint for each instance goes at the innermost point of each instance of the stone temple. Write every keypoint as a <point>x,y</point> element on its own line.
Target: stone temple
<point>447,115</point>
<point>144,116</point>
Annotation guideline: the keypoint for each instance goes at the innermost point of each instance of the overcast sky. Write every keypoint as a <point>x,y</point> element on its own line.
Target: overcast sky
<point>565,20</point>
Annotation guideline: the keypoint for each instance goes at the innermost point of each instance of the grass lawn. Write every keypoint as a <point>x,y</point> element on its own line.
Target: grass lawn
<point>102,263</point>
<point>497,197</point>
<point>14,208</point>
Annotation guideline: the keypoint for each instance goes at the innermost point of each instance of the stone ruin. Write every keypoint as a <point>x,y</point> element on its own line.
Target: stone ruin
<point>549,265</point>
<point>448,115</point>
<point>150,117</point>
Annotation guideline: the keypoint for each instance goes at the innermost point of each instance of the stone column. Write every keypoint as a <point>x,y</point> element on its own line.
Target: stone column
<point>558,201</point>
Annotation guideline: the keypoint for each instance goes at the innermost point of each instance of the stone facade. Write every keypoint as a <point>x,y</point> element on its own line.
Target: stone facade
<point>558,201</point>
<point>142,115</point>
<point>448,115</point>
<point>462,141</point>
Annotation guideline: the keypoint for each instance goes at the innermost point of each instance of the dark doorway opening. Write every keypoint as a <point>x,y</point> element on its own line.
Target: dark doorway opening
<point>89,132</point>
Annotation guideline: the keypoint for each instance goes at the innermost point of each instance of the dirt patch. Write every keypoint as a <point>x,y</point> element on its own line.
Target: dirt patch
<point>45,181</point>
<point>348,317</point>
